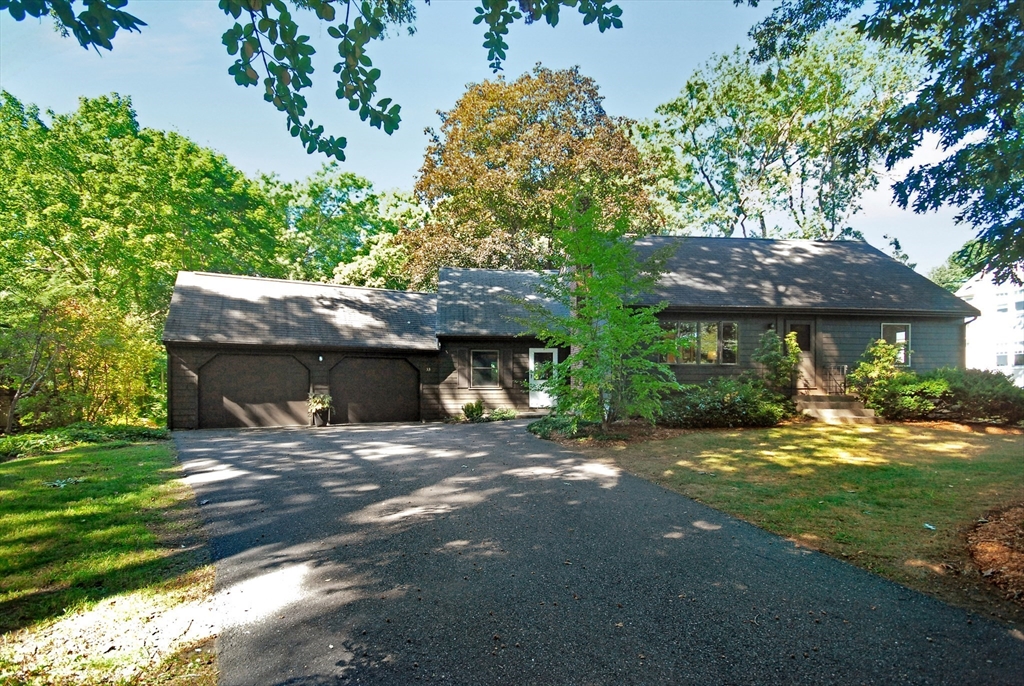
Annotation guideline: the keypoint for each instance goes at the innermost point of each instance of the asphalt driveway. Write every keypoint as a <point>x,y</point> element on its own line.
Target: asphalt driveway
<point>478,554</point>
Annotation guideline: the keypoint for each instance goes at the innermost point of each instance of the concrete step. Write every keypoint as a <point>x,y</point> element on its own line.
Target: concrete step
<point>843,415</point>
<point>845,404</point>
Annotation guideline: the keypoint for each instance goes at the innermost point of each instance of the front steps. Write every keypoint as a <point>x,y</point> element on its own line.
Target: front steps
<point>835,409</point>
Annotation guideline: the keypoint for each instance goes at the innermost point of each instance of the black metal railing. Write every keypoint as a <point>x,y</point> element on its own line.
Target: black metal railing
<point>835,383</point>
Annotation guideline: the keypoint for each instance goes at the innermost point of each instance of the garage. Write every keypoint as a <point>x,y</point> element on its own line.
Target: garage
<point>253,390</point>
<point>375,389</point>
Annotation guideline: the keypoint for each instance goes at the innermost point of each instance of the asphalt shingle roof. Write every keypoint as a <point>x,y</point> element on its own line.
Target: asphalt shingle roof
<point>480,302</point>
<point>848,276</point>
<point>240,310</point>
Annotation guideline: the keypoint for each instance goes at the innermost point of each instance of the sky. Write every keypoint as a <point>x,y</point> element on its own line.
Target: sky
<point>175,72</point>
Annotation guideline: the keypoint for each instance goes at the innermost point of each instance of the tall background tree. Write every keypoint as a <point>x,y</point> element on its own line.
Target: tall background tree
<point>764,149</point>
<point>502,157</point>
<point>972,100</point>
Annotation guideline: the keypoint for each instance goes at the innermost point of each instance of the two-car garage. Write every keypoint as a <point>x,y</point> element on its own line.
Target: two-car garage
<point>247,351</point>
<point>237,390</point>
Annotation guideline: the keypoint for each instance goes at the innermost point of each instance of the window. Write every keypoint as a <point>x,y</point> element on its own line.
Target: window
<point>484,369</point>
<point>898,335</point>
<point>1019,305</point>
<point>703,342</point>
<point>730,342</point>
<point>1018,359</point>
<point>708,342</point>
<point>1002,359</point>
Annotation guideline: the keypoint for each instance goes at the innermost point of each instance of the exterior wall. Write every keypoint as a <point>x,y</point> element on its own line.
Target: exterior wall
<point>185,362</point>
<point>934,342</point>
<point>838,340</point>
<point>454,388</point>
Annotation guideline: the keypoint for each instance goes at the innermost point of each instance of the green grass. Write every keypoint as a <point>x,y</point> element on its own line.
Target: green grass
<point>118,524</point>
<point>862,493</point>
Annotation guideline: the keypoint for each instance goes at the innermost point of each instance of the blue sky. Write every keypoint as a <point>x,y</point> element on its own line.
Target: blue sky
<point>176,75</point>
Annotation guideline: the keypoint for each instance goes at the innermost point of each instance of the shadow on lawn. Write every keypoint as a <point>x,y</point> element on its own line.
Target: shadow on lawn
<point>119,523</point>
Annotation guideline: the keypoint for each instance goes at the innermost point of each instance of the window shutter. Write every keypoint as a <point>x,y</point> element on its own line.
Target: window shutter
<point>462,361</point>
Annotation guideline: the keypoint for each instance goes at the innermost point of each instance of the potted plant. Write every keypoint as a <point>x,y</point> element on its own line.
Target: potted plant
<point>319,407</point>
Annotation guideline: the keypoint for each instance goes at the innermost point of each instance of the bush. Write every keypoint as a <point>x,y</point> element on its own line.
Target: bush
<point>569,426</point>
<point>474,411</point>
<point>501,414</point>
<point>977,395</point>
<point>948,393</point>
<point>779,360</point>
<point>51,440</point>
<point>724,402</point>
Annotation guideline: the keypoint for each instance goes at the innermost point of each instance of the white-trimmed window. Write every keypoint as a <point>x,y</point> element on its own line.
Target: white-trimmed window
<point>702,342</point>
<point>898,335</point>
<point>484,369</point>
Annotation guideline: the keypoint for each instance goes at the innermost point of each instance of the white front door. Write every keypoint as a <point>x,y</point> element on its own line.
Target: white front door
<point>539,357</point>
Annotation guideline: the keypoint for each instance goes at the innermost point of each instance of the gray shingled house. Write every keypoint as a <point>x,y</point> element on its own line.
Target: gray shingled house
<point>247,351</point>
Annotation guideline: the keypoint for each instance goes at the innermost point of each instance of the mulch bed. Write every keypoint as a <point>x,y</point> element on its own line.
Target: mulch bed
<point>997,547</point>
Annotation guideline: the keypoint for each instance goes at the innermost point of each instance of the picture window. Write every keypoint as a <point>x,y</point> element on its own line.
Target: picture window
<point>702,342</point>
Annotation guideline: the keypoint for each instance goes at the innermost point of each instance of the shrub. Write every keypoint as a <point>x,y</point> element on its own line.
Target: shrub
<point>779,360</point>
<point>977,395</point>
<point>51,440</point>
<point>566,425</point>
<point>501,414</point>
<point>724,402</point>
<point>474,411</point>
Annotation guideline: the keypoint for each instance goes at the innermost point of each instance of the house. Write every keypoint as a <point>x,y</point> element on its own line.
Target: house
<point>246,351</point>
<point>995,341</point>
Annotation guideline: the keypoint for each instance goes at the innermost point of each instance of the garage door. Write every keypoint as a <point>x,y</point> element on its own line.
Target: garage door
<point>374,389</point>
<point>253,390</point>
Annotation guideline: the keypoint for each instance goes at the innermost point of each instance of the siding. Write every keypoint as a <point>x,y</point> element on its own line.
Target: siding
<point>454,390</point>
<point>934,343</point>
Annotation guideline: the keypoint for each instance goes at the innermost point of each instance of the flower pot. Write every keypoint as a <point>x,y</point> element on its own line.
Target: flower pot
<point>320,418</point>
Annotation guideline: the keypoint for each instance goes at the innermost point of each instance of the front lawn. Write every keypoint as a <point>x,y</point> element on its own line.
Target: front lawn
<point>897,499</point>
<point>87,535</point>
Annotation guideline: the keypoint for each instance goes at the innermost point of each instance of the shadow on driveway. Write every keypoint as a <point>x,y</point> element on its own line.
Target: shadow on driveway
<point>478,554</point>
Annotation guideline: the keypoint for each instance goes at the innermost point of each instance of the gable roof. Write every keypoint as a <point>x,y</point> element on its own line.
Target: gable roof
<point>839,276</point>
<point>479,302</point>
<point>242,310</point>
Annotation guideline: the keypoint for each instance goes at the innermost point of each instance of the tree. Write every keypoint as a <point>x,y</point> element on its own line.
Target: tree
<point>505,153</point>
<point>763,150</point>
<point>613,370</point>
<point>272,51</point>
<point>951,275</point>
<point>972,99</point>
<point>329,219</point>
<point>97,215</point>
<point>121,208</point>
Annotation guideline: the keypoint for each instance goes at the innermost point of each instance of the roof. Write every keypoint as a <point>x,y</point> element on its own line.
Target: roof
<point>841,276</point>
<point>481,302</point>
<point>243,310</point>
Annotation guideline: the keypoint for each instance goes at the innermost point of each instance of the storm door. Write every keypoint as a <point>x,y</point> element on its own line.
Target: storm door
<point>804,330</point>
<point>540,361</point>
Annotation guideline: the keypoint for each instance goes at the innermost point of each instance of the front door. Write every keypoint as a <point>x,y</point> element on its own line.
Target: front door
<point>540,361</point>
<point>804,330</point>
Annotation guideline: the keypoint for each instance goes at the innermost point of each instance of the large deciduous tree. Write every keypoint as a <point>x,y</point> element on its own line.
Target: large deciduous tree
<point>765,149</point>
<point>272,51</point>
<point>972,100</point>
<point>97,215</point>
<point>502,157</point>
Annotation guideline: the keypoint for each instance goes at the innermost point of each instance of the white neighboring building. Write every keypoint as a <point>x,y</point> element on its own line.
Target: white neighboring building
<point>995,340</point>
